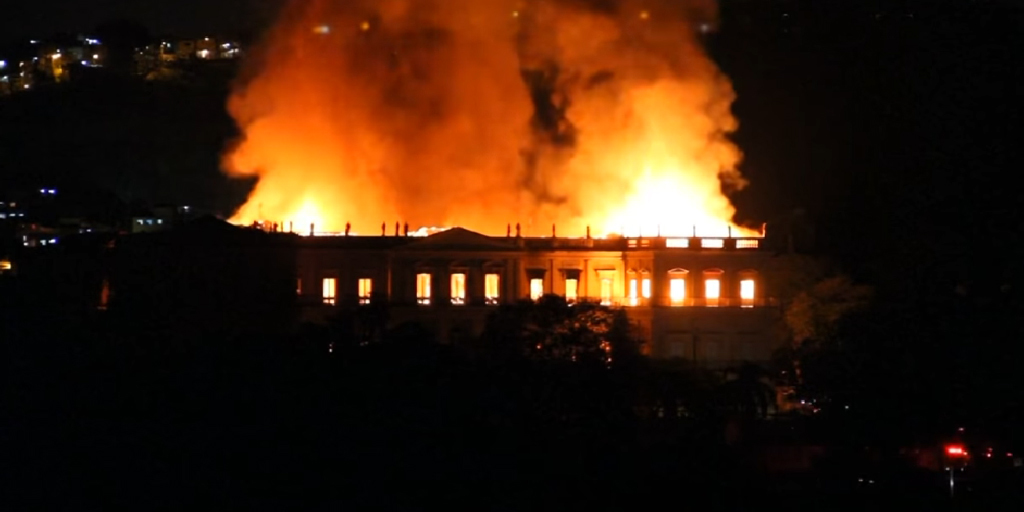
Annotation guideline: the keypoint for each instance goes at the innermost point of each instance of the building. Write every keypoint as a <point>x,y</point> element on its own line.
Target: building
<point>696,298</point>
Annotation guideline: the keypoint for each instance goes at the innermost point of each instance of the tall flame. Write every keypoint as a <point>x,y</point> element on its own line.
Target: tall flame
<point>486,114</point>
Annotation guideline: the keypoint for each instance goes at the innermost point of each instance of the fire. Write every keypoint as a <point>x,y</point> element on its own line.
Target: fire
<point>454,112</point>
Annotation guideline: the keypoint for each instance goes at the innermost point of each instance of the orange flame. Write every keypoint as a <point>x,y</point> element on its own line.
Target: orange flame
<point>418,110</point>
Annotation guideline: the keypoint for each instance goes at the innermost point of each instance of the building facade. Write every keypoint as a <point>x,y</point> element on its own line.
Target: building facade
<point>696,298</point>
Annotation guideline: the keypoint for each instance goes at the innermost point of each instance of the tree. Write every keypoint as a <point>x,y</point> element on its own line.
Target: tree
<point>553,329</point>
<point>815,299</point>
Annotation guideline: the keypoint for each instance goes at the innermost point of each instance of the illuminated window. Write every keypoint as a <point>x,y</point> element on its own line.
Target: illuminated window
<point>747,292</point>
<point>572,288</point>
<point>491,287</point>
<point>712,291</point>
<point>423,289</point>
<point>677,290</point>
<point>712,243</point>
<point>747,244</point>
<point>677,243</point>
<point>536,288</point>
<point>458,288</point>
<point>330,290</point>
<point>634,292</point>
<point>645,287</point>
<point>365,290</point>
<point>606,291</point>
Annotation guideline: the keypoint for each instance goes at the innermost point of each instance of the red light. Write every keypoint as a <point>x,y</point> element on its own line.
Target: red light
<point>955,450</point>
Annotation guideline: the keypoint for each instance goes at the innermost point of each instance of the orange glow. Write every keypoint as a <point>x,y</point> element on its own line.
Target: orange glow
<point>606,291</point>
<point>571,289</point>
<point>955,450</point>
<point>677,290</point>
<point>365,290</point>
<point>458,291</point>
<point>386,122</point>
<point>423,289</point>
<point>491,288</point>
<point>536,289</point>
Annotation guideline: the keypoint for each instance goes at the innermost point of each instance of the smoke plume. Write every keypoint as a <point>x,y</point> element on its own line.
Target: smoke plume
<point>481,114</point>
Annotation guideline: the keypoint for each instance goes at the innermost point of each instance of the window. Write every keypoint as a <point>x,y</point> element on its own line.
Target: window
<point>330,289</point>
<point>536,288</point>
<point>747,244</point>
<point>606,291</point>
<point>677,243</point>
<point>677,286</point>
<point>458,289</point>
<point>645,287</point>
<point>712,291</point>
<point>677,290</point>
<point>634,292</point>
<point>491,287</point>
<point>712,243</point>
<point>747,293</point>
<point>572,288</point>
<point>423,289</point>
<point>365,290</point>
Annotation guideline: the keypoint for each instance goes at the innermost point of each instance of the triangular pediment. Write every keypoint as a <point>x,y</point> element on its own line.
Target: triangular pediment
<point>461,239</point>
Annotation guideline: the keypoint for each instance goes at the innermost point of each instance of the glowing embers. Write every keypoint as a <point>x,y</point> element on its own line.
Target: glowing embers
<point>492,287</point>
<point>458,289</point>
<point>365,290</point>
<point>423,289</point>
<point>329,290</point>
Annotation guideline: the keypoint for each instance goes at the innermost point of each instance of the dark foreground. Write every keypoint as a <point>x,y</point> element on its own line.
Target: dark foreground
<point>101,422</point>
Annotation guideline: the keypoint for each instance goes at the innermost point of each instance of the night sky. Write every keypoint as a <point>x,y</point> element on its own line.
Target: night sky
<point>891,127</point>
<point>191,17</point>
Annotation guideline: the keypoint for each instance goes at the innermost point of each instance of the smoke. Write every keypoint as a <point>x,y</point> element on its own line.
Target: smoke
<point>479,114</point>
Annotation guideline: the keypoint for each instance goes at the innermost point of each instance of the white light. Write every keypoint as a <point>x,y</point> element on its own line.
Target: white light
<point>95,56</point>
<point>33,41</point>
<point>3,64</point>
<point>85,63</point>
<point>322,29</point>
